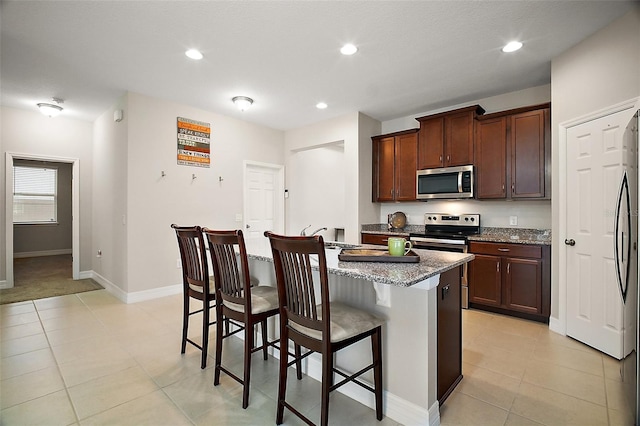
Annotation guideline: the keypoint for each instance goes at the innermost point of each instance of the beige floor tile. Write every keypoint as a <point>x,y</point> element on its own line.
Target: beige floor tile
<point>58,302</point>
<point>520,346</point>
<point>612,368</point>
<point>588,362</point>
<point>621,418</point>
<point>89,347</point>
<point>27,363</point>
<point>96,396</point>
<point>568,381</point>
<point>495,359</point>
<point>52,409</point>
<point>100,365</point>
<point>488,386</point>
<point>23,345</point>
<point>346,411</point>
<point>26,387</point>
<point>19,319</point>
<point>72,319</point>
<point>554,408</point>
<point>463,410</point>
<point>617,394</point>
<point>166,368</point>
<point>152,409</point>
<point>516,420</point>
<point>62,312</point>
<point>98,299</point>
<point>518,326</point>
<point>19,331</point>
<point>76,332</point>
<point>261,411</point>
<point>552,338</point>
<point>16,308</point>
<point>195,394</point>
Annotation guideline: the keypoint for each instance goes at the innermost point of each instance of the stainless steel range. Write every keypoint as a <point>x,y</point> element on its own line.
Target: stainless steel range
<point>448,232</point>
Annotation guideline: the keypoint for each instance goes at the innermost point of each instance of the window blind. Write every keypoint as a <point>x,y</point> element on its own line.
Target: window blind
<point>34,194</point>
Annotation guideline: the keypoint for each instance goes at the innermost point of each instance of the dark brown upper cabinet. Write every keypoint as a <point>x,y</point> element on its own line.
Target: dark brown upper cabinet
<point>395,166</point>
<point>446,139</point>
<point>512,154</point>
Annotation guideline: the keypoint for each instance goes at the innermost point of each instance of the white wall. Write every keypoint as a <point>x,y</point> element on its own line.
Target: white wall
<point>601,71</point>
<point>153,202</point>
<point>30,133</point>
<point>342,129</point>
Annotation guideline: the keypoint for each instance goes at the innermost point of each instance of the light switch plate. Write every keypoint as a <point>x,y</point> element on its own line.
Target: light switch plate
<point>513,220</point>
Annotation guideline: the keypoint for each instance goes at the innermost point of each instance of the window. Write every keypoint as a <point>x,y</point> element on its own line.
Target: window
<point>35,195</point>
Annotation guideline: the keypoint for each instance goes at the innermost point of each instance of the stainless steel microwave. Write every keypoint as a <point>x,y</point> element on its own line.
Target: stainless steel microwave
<point>445,183</point>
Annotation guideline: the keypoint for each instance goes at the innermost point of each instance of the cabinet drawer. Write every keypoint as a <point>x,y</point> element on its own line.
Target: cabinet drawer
<point>511,250</point>
<point>377,239</point>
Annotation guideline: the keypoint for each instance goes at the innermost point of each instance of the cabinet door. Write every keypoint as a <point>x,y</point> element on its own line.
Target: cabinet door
<point>377,239</point>
<point>527,139</point>
<point>431,144</point>
<point>523,284</point>
<point>406,167</point>
<point>491,158</point>
<point>386,169</point>
<point>485,280</point>
<point>459,139</point>
<point>449,333</point>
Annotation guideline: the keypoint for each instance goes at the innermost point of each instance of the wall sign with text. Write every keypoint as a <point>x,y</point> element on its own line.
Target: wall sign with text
<point>194,147</point>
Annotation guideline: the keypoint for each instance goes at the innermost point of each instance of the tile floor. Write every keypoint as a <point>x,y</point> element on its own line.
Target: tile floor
<point>89,359</point>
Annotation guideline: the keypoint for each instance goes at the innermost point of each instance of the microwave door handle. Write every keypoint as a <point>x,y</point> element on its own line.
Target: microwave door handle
<point>459,182</point>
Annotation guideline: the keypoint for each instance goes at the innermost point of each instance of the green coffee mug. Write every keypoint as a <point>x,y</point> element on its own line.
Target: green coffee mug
<point>398,246</point>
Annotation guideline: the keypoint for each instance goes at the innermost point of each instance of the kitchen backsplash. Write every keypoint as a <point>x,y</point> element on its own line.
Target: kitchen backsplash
<point>528,214</point>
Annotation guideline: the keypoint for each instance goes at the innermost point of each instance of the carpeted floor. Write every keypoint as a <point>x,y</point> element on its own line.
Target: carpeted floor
<point>41,277</point>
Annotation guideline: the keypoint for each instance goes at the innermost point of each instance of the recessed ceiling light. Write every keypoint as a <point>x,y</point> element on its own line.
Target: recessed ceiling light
<point>321,105</point>
<point>194,54</point>
<point>512,46</point>
<point>348,49</point>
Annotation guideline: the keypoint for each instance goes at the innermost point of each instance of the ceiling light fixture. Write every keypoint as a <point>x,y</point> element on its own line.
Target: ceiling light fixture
<point>348,49</point>
<point>512,46</point>
<point>51,110</point>
<point>321,105</point>
<point>242,102</point>
<point>194,54</point>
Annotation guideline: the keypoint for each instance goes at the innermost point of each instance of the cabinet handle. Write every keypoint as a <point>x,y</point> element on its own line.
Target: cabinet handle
<point>503,186</point>
<point>448,158</point>
<point>392,193</point>
<point>441,158</point>
<point>445,291</point>
<point>513,188</point>
<point>508,268</point>
<point>503,249</point>
<point>498,267</point>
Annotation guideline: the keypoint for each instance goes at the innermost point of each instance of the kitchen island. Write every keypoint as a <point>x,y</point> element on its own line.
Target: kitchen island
<point>405,294</point>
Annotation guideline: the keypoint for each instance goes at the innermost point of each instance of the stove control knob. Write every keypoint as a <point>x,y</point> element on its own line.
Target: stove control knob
<point>466,219</point>
<point>473,219</point>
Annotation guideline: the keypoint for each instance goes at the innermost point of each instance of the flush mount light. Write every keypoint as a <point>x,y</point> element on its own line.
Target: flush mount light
<point>321,105</point>
<point>348,49</point>
<point>512,46</point>
<point>194,54</point>
<point>242,102</point>
<point>51,110</point>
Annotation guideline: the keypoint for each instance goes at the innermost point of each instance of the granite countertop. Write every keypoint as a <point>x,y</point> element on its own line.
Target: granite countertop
<point>398,274</point>
<point>514,236</point>
<point>494,235</point>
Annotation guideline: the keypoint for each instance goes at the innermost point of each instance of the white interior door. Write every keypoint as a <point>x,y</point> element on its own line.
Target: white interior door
<point>596,158</point>
<point>263,207</point>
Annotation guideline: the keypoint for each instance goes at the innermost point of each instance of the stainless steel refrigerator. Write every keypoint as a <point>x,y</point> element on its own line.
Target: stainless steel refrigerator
<point>626,263</point>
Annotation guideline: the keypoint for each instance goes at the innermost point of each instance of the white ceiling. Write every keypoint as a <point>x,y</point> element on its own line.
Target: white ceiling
<point>413,56</point>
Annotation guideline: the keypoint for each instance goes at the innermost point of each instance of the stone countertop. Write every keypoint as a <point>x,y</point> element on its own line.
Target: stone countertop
<point>513,236</point>
<point>494,235</point>
<point>431,263</point>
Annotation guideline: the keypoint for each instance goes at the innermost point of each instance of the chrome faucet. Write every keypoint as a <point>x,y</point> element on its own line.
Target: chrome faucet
<point>304,233</point>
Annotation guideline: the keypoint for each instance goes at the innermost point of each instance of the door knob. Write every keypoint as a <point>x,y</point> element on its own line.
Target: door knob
<point>570,242</point>
<point>248,226</point>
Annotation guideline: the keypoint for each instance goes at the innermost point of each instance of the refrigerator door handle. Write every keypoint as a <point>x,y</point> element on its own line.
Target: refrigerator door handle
<point>619,234</point>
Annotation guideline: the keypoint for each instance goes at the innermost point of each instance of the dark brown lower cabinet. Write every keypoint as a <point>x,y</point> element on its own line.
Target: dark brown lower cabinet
<point>449,333</point>
<point>513,279</point>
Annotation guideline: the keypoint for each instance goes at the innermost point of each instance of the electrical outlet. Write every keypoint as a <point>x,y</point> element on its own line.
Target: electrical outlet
<point>178,264</point>
<point>513,220</point>
<point>99,254</point>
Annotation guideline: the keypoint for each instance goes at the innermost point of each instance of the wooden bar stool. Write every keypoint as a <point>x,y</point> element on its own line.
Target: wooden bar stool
<point>196,284</point>
<point>239,301</point>
<point>324,327</point>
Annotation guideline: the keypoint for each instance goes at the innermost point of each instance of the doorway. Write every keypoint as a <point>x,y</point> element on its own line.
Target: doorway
<point>75,211</point>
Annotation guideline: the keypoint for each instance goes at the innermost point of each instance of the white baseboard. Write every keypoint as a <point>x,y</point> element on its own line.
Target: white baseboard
<point>556,325</point>
<point>3,284</point>
<point>41,253</point>
<point>138,296</point>
<point>394,407</point>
